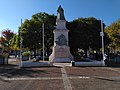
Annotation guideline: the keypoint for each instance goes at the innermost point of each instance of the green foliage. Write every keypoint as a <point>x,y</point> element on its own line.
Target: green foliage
<point>49,22</point>
<point>113,31</point>
<point>15,42</point>
<point>30,34</point>
<point>4,55</point>
<point>84,33</point>
<point>26,53</point>
<point>32,31</point>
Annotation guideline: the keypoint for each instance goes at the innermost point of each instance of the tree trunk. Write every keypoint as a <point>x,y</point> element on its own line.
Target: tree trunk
<point>34,51</point>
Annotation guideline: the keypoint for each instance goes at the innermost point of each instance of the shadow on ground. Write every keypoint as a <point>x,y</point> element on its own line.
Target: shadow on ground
<point>10,71</point>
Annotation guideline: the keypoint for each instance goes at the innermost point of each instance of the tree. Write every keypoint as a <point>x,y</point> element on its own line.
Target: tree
<point>49,21</point>
<point>15,42</point>
<point>32,31</point>
<point>84,34</point>
<point>113,31</point>
<point>7,35</point>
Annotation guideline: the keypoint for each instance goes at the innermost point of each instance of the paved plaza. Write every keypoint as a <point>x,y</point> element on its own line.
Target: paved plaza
<point>59,77</point>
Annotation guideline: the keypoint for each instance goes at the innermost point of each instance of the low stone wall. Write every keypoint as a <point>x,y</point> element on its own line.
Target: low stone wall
<point>94,63</point>
<point>35,64</point>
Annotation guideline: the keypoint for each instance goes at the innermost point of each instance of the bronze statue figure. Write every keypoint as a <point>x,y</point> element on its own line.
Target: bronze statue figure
<point>60,13</point>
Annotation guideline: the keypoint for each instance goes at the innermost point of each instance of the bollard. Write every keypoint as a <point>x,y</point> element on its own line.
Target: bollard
<point>73,63</point>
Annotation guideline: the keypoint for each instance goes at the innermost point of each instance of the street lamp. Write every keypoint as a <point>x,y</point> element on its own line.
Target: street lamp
<point>102,35</point>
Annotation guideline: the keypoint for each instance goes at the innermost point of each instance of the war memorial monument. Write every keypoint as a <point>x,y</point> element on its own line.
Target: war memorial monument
<point>61,50</point>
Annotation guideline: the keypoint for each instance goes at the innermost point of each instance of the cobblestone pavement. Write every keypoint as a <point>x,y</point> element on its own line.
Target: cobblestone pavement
<point>59,78</point>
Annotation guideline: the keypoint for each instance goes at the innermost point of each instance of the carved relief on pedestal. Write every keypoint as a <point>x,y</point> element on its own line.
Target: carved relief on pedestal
<point>61,40</point>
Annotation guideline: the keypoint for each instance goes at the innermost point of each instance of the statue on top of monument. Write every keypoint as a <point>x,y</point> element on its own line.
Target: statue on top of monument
<point>60,13</point>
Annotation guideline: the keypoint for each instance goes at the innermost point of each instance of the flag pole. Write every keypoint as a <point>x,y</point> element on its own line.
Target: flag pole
<point>21,45</point>
<point>43,42</point>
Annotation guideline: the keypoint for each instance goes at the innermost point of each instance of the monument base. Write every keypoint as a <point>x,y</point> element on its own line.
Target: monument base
<point>61,54</point>
<point>61,60</point>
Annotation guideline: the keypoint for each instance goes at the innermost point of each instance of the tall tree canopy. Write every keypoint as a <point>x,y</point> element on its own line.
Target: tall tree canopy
<point>84,34</point>
<point>32,31</point>
<point>113,31</point>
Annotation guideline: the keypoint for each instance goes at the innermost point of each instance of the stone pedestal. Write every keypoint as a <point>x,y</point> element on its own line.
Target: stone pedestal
<point>61,54</point>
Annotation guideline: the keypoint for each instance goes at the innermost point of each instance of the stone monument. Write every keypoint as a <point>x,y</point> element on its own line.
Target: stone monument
<point>61,50</point>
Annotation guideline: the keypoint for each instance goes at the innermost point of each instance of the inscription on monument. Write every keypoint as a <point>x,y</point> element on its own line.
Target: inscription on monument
<point>61,52</point>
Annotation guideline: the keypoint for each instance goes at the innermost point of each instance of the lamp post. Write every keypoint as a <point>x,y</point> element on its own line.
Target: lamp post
<point>102,35</point>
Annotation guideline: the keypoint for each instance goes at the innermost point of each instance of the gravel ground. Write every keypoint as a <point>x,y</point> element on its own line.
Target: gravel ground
<point>32,85</point>
<point>36,72</point>
<point>93,71</point>
<point>95,84</point>
<point>100,78</point>
<point>53,78</point>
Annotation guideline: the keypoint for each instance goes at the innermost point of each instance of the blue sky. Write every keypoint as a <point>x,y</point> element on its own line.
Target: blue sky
<point>11,11</point>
